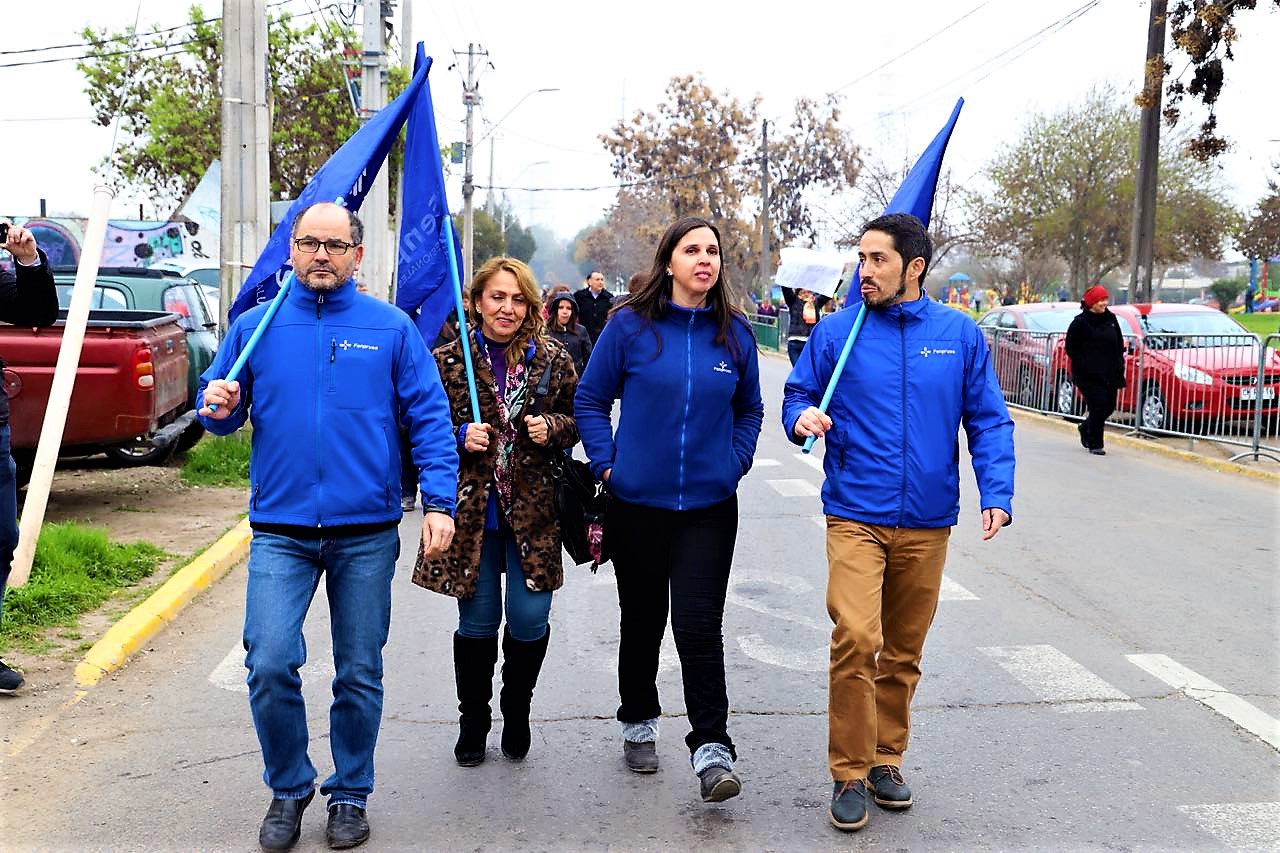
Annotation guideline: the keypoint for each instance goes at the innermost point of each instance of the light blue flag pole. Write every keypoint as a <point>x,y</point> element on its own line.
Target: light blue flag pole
<point>915,196</point>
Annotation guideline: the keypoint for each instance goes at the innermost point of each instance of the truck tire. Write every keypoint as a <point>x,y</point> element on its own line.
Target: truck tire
<point>139,453</point>
<point>190,436</point>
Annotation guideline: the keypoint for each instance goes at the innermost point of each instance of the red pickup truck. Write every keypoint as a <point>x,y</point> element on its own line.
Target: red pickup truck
<point>131,381</point>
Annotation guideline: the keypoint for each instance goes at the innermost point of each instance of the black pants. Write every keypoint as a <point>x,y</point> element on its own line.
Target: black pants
<point>680,559</point>
<point>1100,400</point>
<point>408,471</point>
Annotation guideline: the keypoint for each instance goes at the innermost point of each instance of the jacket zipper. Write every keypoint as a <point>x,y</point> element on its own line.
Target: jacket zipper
<point>902,337</point>
<point>688,396</point>
<point>319,496</point>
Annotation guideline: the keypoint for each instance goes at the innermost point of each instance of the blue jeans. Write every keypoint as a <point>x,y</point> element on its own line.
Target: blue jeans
<point>480,616</point>
<point>794,348</point>
<point>8,510</point>
<point>283,575</point>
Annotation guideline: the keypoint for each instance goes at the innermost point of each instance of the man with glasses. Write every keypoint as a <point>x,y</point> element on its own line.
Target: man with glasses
<point>325,389</point>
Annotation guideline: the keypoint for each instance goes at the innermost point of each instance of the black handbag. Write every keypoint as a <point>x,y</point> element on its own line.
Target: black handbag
<point>580,499</point>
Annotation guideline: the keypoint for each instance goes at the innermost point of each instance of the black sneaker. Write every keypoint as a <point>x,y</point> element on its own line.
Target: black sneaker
<point>888,788</point>
<point>849,806</point>
<point>10,679</point>
<point>718,784</point>
<point>640,757</point>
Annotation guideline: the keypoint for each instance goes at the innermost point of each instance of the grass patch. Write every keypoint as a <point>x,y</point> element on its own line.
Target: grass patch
<point>219,461</point>
<point>1260,324</point>
<point>76,569</point>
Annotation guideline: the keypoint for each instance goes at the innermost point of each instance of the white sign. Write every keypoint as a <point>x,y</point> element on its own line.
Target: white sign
<point>812,270</point>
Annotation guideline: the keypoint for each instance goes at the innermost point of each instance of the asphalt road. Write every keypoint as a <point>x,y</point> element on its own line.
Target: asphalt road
<point>1104,674</point>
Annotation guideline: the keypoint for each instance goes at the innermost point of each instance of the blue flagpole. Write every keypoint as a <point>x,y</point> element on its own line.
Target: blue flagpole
<point>835,375</point>
<point>243,358</point>
<point>447,224</point>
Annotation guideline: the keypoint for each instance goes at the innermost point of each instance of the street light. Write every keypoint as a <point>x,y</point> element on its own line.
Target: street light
<point>471,97</point>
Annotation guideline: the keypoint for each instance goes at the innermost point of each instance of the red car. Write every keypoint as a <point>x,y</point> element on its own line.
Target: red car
<point>1026,348</point>
<point>1186,365</point>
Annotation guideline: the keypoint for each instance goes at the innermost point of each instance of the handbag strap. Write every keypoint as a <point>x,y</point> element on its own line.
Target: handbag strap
<point>540,392</point>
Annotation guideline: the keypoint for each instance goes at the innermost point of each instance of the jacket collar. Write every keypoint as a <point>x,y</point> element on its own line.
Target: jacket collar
<point>911,311</point>
<point>308,298</point>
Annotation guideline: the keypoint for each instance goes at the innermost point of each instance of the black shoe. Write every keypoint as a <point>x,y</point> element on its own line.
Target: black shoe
<point>1097,451</point>
<point>10,679</point>
<point>473,662</point>
<point>849,806</point>
<point>1084,442</point>
<point>640,757</point>
<point>521,663</point>
<point>347,827</point>
<point>888,788</point>
<point>719,784</point>
<point>283,823</point>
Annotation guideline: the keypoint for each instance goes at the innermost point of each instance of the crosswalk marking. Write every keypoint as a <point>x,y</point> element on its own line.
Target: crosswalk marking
<point>814,462</point>
<point>230,673</point>
<point>952,591</point>
<point>819,521</point>
<point>765,463</point>
<point>794,488</point>
<point>1244,714</point>
<point>1054,677</point>
<point>1239,826</point>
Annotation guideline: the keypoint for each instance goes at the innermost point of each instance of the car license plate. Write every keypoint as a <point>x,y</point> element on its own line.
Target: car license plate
<point>1268,393</point>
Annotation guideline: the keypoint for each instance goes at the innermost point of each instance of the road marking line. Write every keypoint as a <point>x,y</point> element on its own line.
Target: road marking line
<point>819,520</point>
<point>1054,677</point>
<point>1239,826</point>
<point>765,463</point>
<point>810,660</point>
<point>814,462</point>
<point>792,584</point>
<point>1214,696</point>
<point>952,591</point>
<point>230,673</point>
<point>794,488</point>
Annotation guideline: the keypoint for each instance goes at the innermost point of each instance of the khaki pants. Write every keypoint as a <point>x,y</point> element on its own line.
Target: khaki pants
<point>882,593</point>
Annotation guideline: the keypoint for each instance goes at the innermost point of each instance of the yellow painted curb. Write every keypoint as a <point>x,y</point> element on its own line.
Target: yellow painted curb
<point>162,606</point>
<point>1149,446</point>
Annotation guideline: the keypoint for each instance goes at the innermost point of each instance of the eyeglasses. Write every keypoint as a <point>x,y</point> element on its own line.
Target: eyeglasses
<point>310,245</point>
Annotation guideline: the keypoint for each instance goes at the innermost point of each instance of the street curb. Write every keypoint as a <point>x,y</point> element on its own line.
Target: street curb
<point>1148,446</point>
<point>162,606</point>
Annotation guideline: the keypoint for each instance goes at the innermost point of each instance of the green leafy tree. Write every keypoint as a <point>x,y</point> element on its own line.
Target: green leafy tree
<point>1065,188</point>
<point>496,235</point>
<point>166,95</point>
<point>1260,236</point>
<point>1226,290</point>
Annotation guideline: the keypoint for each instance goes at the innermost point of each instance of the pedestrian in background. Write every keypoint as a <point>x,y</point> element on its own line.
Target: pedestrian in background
<point>506,498</point>
<point>804,310</point>
<point>594,304</point>
<point>27,298</point>
<point>1095,346</point>
<point>917,373</point>
<point>682,360</point>
<point>323,477</point>
<point>566,329</point>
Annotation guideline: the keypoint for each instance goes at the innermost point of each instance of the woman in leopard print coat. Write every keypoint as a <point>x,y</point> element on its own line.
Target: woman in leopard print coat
<point>505,521</point>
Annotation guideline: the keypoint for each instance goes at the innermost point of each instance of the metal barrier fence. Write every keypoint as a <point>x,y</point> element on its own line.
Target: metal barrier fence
<point>766,330</point>
<point>1217,387</point>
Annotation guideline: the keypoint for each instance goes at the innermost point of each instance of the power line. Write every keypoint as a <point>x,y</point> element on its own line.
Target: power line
<point>908,51</point>
<point>106,54</point>
<point>666,179</point>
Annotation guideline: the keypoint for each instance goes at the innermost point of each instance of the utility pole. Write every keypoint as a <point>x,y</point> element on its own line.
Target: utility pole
<point>246,137</point>
<point>1142,242</point>
<point>408,53</point>
<point>470,99</point>
<point>374,271</point>
<point>764,217</point>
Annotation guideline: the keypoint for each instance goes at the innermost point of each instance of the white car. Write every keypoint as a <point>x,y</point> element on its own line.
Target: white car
<point>203,270</point>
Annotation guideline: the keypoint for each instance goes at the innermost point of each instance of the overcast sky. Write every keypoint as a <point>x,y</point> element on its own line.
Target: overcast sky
<point>607,62</point>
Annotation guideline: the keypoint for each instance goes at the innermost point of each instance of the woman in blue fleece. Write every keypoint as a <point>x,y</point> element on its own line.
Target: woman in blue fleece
<point>683,361</point>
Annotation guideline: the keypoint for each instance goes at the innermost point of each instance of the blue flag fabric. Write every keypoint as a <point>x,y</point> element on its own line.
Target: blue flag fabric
<point>345,179</point>
<point>424,286</point>
<point>915,195</point>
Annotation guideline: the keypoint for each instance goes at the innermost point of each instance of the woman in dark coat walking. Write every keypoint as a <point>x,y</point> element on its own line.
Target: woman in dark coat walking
<point>562,323</point>
<point>1096,349</point>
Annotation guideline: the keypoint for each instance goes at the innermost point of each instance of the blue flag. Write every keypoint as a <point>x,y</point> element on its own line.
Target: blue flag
<point>424,285</point>
<point>915,195</point>
<point>345,179</point>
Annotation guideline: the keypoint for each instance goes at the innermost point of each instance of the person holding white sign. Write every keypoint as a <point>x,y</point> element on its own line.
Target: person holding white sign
<point>805,309</point>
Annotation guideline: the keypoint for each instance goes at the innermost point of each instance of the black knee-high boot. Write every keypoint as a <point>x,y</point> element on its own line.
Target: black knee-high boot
<point>521,663</point>
<point>473,662</point>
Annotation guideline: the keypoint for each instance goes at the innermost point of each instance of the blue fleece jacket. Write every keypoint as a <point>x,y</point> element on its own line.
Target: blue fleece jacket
<point>917,372</point>
<point>691,411</point>
<point>326,388</point>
